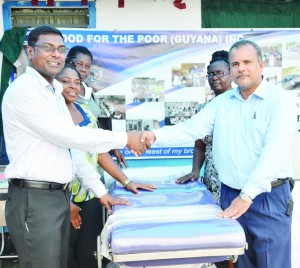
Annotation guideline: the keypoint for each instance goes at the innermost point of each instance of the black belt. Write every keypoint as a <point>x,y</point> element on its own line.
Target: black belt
<point>279,182</point>
<point>41,185</point>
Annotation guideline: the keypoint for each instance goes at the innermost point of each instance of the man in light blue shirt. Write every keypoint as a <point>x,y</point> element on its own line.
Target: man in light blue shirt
<point>253,127</point>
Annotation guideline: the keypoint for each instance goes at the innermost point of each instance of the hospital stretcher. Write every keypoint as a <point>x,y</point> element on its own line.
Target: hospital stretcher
<point>173,225</point>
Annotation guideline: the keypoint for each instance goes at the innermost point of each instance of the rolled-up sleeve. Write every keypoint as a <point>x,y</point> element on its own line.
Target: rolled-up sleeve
<point>85,171</point>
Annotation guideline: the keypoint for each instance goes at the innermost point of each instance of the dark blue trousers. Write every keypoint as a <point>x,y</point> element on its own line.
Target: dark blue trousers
<point>267,228</point>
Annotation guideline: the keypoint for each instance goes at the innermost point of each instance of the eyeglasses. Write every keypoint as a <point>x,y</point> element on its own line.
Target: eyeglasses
<point>51,48</point>
<point>218,74</point>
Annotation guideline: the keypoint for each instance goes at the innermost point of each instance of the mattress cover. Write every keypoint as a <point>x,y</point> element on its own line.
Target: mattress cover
<point>168,233</point>
<point>166,194</point>
<point>174,224</point>
<point>168,185</point>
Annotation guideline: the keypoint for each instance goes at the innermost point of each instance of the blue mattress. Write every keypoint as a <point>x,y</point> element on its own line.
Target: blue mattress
<point>174,224</point>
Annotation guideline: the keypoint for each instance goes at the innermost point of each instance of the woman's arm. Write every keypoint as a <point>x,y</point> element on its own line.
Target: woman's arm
<point>108,164</point>
<point>198,160</point>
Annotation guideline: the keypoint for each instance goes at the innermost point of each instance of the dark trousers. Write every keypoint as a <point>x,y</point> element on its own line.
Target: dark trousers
<point>267,228</point>
<point>83,241</point>
<point>38,222</point>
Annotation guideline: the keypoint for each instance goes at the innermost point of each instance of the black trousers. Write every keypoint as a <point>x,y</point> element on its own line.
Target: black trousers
<point>83,241</point>
<point>38,222</point>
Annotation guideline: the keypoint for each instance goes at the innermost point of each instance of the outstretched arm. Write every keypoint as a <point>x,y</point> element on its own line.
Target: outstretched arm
<point>148,138</point>
<point>198,160</point>
<point>107,201</point>
<point>91,179</point>
<point>120,157</point>
<point>108,164</point>
<point>135,143</point>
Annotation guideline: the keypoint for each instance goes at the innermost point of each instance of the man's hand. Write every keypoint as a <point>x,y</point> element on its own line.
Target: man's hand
<point>133,186</point>
<point>148,137</point>
<point>75,217</point>
<point>237,208</point>
<point>188,177</point>
<point>107,201</point>
<point>120,158</point>
<point>135,144</point>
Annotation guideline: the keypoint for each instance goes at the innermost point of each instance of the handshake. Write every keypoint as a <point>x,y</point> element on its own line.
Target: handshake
<point>139,142</point>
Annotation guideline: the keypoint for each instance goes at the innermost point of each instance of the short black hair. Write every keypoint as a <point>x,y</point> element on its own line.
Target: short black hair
<point>40,30</point>
<point>70,66</point>
<point>244,42</point>
<point>78,49</point>
<point>220,55</point>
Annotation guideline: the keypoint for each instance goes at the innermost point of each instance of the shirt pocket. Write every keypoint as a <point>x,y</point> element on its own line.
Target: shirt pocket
<point>259,129</point>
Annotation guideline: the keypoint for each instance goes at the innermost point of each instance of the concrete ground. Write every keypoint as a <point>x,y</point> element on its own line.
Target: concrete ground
<point>9,263</point>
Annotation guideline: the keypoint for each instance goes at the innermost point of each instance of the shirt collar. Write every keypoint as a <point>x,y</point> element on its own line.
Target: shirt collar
<point>88,91</point>
<point>262,91</point>
<point>57,86</point>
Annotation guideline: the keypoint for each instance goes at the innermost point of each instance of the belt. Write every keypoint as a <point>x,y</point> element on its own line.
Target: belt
<point>41,185</point>
<point>279,182</point>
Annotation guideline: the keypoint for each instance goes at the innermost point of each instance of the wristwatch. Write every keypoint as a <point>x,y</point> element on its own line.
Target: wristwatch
<point>246,198</point>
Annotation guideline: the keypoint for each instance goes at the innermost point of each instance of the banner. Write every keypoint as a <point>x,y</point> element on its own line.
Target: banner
<point>148,79</point>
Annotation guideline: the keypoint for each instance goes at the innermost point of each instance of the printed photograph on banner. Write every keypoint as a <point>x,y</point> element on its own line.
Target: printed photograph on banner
<point>146,111</point>
<point>273,75</point>
<point>118,125</point>
<point>292,54</point>
<point>141,125</point>
<point>177,112</point>
<point>188,75</point>
<point>94,78</point>
<point>146,89</point>
<point>291,78</point>
<point>296,96</point>
<point>298,108</point>
<point>113,106</point>
<point>272,54</point>
<point>185,94</point>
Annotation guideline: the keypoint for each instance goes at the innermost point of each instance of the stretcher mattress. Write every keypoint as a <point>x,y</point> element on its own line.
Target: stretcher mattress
<point>174,224</point>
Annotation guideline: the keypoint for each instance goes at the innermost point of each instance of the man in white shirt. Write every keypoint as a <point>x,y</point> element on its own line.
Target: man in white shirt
<point>45,149</point>
<point>253,126</point>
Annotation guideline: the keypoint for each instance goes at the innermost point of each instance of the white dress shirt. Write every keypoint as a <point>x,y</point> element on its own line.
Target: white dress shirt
<point>39,131</point>
<point>252,138</point>
<point>87,174</point>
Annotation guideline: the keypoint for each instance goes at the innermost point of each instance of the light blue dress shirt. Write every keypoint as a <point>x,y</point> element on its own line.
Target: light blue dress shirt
<point>252,138</point>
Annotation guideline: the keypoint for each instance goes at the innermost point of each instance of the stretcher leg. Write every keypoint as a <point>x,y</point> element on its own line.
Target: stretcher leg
<point>233,259</point>
<point>2,240</point>
<point>99,256</point>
